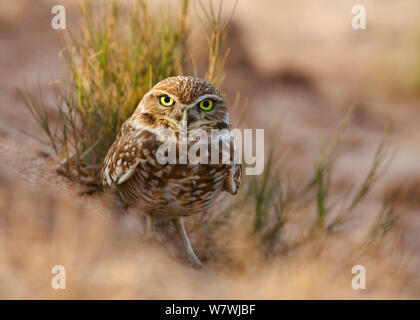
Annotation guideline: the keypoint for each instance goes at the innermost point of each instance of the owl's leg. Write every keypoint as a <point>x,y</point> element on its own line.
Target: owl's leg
<point>150,230</point>
<point>179,226</point>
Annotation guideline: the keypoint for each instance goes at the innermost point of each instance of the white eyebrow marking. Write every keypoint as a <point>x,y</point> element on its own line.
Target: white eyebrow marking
<point>164,93</point>
<point>204,97</point>
<point>207,96</point>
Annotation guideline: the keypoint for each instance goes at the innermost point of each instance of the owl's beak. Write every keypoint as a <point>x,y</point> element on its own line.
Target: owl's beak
<point>184,121</point>
<point>185,115</point>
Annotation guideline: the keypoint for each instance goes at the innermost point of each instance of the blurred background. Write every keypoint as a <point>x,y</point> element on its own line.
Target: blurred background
<point>298,66</point>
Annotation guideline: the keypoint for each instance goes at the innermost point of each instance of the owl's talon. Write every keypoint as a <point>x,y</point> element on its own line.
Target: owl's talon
<point>194,261</point>
<point>150,236</point>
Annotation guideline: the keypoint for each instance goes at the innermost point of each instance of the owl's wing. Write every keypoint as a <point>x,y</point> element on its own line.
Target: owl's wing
<point>233,179</point>
<point>121,160</point>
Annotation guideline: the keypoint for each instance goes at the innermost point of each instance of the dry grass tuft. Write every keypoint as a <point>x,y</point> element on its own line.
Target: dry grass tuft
<point>119,53</point>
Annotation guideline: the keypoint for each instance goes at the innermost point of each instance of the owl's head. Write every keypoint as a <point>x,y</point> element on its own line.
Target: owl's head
<point>184,98</point>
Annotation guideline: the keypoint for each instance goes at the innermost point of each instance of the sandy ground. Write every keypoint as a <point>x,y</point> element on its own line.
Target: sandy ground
<point>299,65</point>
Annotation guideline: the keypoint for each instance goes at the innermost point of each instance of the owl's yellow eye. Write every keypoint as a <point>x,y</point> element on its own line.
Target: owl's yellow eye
<point>166,101</point>
<point>206,105</point>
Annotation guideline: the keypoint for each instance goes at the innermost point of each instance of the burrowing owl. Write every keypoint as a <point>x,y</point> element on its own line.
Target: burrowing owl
<point>171,190</point>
